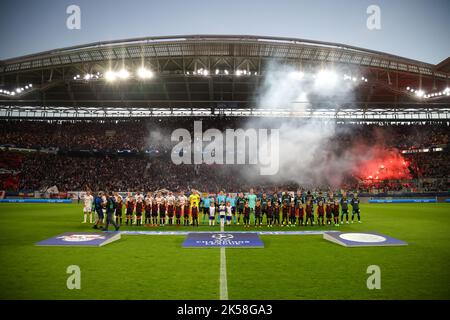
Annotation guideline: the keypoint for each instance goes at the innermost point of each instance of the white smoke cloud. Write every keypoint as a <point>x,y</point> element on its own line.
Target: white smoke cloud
<point>307,154</point>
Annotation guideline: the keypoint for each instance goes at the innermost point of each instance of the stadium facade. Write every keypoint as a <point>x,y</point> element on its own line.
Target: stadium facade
<point>210,75</point>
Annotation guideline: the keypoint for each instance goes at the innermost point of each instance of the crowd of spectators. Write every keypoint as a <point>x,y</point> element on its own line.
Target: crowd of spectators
<point>69,170</point>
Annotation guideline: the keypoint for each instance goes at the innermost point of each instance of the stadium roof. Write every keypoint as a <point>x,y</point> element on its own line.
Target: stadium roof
<point>207,72</point>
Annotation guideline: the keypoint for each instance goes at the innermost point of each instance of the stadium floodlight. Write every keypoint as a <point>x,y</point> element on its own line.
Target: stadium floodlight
<point>123,74</point>
<point>326,78</point>
<point>144,73</point>
<point>30,85</point>
<point>217,71</point>
<point>238,72</point>
<point>18,90</point>
<point>226,71</point>
<point>407,88</point>
<point>419,93</point>
<point>205,72</point>
<point>110,75</point>
<point>13,93</point>
<point>87,76</point>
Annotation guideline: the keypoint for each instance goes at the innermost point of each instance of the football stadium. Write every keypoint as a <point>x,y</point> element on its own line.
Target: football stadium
<point>224,167</point>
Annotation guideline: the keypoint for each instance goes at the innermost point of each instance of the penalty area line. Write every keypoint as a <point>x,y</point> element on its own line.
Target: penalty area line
<point>223,272</point>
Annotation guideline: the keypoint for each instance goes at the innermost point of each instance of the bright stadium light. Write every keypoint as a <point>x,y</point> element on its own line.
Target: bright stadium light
<point>110,75</point>
<point>144,73</point>
<point>326,78</point>
<point>123,74</point>
<point>217,71</point>
<point>419,93</point>
<point>226,71</point>
<point>18,90</point>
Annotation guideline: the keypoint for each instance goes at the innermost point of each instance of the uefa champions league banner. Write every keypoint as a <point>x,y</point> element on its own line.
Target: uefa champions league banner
<point>36,200</point>
<point>223,239</point>
<point>429,200</point>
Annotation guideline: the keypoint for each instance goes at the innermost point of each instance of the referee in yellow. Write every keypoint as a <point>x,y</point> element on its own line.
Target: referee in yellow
<point>194,200</point>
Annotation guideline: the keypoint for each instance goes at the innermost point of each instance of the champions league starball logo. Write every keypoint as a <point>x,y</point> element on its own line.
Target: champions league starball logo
<point>81,237</point>
<point>221,236</point>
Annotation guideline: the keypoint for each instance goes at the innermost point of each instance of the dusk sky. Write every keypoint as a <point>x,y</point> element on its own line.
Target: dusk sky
<point>416,29</point>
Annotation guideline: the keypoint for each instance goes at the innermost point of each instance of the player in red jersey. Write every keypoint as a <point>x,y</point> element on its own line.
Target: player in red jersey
<point>186,211</point>
<point>320,212</point>
<point>336,212</point>
<point>178,211</point>
<point>292,214</point>
<point>300,212</point>
<point>139,208</point>
<point>309,212</point>
<point>284,214</point>
<point>329,212</point>
<point>129,204</point>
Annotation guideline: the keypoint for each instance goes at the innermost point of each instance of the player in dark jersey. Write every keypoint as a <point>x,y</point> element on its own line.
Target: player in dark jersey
<point>320,211</point>
<point>139,209</point>
<point>194,213</point>
<point>186,211</point>
<point>246,213</point>
<point>129,203</point>
<point>148,207</point>
<point>284,214</point>
<point>170,213</point>
<point>119,203</point>
<point>154,212</point>
<point>355,207</point>
<point>240,204</point>
<point>276,214</point>
<point>344,207</point>
<point>292,214</point>
<point>258,213</point>
<point>336,212</point>
<point>329,212</point>
<point>300,212</point>
<point>178,211</point>
<point>162,212</point>
<point>269,213</point>
<point>264,200</point>
<point>309,212</point>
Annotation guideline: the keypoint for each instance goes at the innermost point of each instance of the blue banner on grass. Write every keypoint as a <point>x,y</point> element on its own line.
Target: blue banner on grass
<point>83,239</point>
<point>223,239</point>
<point>403,200</point>
<point>36,200</point>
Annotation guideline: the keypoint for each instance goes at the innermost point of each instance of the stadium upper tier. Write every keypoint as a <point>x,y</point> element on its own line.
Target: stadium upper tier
<point>217,73</point>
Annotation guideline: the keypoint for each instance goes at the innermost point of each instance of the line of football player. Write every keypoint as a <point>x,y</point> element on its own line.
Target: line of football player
<point>159,210</point>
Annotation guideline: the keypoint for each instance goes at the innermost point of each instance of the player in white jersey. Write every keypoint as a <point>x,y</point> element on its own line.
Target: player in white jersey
<point>104,202</point>
<point>212,214</point>
<point>87,209</point>
<point>182,198</point>
<point>148,208</point>
<point>222,211</point>
<point>229,213</point>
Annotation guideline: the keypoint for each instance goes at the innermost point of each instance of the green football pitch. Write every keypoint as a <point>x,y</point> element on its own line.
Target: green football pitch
<point>288,267</point>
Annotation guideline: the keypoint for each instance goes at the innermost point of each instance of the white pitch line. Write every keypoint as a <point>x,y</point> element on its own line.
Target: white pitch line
<point>223,272</point>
